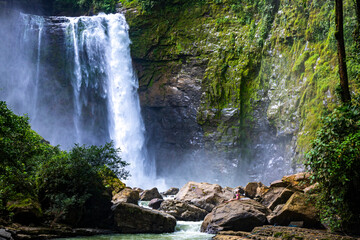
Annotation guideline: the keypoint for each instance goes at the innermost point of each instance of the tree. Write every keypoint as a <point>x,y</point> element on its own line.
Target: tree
<point>334,163</point>
<point>339,35</point>
<point>19,148</point>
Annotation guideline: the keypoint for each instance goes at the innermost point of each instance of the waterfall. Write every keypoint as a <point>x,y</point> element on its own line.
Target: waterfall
<point>101,56</point>
<point>80,86</point>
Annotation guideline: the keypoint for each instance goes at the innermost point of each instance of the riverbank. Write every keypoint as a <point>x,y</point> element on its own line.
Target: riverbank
<point>278,232</point>
<point>283,210</point>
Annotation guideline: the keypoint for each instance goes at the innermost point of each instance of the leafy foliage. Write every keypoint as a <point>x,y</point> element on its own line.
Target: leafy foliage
<point>68,184</point>
<point>19,149</point>
<point>80,6</point>
<point>68,181</point>
<point>334,162</point>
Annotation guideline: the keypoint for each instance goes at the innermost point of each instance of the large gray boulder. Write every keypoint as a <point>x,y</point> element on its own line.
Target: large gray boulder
<point>155,203</point>
<point>182,210</point>
<point>130,218</point>
<point>127,195</point>
<point>149,195</point>
<point>298,208</point>
<point>240,215</point>
<point>171,191</point>
<point>204,195</point>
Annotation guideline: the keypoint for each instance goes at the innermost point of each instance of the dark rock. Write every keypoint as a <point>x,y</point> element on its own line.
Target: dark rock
<point>56,231</point>
<point>127,195</point>
<point>130,218</point>
<point>97,213</point>
<point>155,203</point>
<point>171,191</point>
<point>281,198</point>
<point>148,195</point>
<point>255,189</point>
<point>297,208</point>
<point>204,195</point>
<point>277,232</point>
<point>241,215</point>
<point>271,195</point>
<point>26,211</point>
<point>279,183</point>
<point>183,211</point>
<point>138,189</point>
<point>4,234</point>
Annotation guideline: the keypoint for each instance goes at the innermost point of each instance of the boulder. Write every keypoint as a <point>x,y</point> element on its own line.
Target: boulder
<point>171,191</point>
<point>204,195</point>
<point>130,218</point>
<point>241,215</point>
<point>5,234</point>
<point>279,183</point>
<point>127,195</point>
<point>255,189</point>
<point>148,195</point>
<point>298,181</point>
<point>297,208</point>
<point>138,189</point>
<point>155,203</point>
<point>183,211</point>
<point>271,195</point>
<point>25,211</point>
<point>280,198</point>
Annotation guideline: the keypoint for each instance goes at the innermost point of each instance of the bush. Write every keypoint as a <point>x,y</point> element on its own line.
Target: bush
<point>334,161</point>
<point>80,7</point>
<point>70,183</point>
<point>19,150</point>
<point>72,187</point>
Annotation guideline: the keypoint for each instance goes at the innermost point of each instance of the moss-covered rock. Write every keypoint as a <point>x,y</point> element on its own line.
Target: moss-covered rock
<point>25,211</point>
<point>258,76</point>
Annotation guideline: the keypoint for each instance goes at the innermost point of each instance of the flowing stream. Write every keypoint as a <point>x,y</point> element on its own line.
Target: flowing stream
<point>183,230</point>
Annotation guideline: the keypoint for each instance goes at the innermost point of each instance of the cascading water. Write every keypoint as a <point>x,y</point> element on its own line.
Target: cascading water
<point>101,47</point>
<point>80,86</point>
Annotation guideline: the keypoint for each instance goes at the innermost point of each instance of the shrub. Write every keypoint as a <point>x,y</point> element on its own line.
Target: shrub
<point>19,150</point>
<point>71,185</point>
<point>334,162</point>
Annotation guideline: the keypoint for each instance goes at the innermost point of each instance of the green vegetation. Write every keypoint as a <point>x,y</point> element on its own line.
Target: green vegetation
<point>334,163</point>
<point>281,54</point>
<point>251,53</point>
<point>67,185</point>
<point>79,7</point>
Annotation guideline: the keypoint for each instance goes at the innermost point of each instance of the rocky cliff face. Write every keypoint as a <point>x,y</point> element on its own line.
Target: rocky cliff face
<point>234,87</point>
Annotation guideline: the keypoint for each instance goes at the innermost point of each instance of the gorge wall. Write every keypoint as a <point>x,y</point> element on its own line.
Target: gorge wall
<point>230,91</point>
<point>235,87</point>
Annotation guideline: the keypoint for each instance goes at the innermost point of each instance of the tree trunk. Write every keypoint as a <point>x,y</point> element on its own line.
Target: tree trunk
<point>339,34</point>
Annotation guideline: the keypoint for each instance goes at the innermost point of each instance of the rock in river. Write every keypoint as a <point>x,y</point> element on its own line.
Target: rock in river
<point>183,211</point>
<point>241,215</point>
<point>149,195</point>
<point>130,218</point>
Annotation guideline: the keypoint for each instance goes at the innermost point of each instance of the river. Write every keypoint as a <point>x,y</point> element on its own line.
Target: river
<point>183,230</point>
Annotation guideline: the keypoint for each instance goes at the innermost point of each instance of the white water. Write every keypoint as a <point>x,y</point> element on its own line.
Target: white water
<point>183,231</point>
<point>74,78</point>
<point>106,42</point>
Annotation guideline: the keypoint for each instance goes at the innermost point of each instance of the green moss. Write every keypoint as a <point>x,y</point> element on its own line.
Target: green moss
<point>248,47</point>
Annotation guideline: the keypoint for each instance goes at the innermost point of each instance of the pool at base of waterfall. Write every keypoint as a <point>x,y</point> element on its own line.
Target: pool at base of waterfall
<point>184,230</point>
